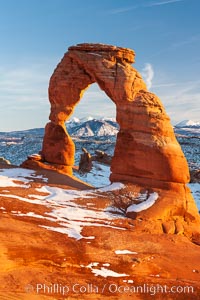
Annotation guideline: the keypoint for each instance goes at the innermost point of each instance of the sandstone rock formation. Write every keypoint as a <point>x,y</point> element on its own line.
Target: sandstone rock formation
<point>146,149</point>
<point>102,157</point>
<point>4,161</point>
<point>85,164</point>
<point>147,152</point>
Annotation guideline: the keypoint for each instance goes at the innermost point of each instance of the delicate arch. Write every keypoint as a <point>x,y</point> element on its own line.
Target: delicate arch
<point>146,146</point>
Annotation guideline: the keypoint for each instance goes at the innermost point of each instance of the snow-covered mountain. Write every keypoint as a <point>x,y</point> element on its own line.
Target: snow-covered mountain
<point>92,127</point>
<point>188,124</point>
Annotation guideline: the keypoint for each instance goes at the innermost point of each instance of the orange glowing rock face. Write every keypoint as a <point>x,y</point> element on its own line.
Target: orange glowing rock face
<point>147,153</point>
<point>146,149</point>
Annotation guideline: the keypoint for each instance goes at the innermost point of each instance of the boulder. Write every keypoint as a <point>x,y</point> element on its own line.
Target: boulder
<point>4,161</point>
<point>102,157</point>
<point>85,164</point>
<point>195,176</point>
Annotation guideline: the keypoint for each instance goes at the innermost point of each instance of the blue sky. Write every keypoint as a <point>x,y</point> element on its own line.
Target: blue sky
<point>35,34</point>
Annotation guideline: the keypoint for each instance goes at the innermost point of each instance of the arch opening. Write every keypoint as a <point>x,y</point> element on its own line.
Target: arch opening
<point>93,127</point>
<point>95,103</point>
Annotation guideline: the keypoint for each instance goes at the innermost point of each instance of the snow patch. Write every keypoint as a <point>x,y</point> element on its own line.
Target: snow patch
<point>113,187</point>
<point>98,176</point>
<point>61,196</point>
<point>35,201</point>
<point>17,174</point>
<point>31,214</point>
<point>143,205</point>
<point>103,272</point>
<point>71,217</point>
<point>8,182</point>
<point>124,252</point>
<point>128,281</point>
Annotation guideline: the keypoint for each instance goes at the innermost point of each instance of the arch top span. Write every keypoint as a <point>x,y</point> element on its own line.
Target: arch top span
<point>107,51</point>
<point>109,66</point>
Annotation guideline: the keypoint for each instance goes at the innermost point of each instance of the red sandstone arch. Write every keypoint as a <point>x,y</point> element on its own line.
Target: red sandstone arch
<point>146,149</point>
<point>147,153</point>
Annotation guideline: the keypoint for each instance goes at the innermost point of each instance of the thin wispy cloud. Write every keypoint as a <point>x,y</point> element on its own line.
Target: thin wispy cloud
<point>148,74</point>
<point>164,85</point>
<point>190,40</point>
<point>163,3</point>
<point>121,10</point>
<point>186,42</point>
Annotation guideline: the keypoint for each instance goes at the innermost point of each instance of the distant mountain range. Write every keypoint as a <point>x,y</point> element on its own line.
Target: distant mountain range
<point>92,127</point>
<point>89,127</point>
<point>188,124</point>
